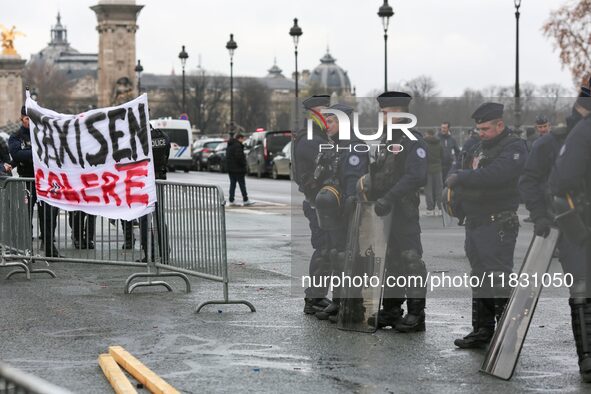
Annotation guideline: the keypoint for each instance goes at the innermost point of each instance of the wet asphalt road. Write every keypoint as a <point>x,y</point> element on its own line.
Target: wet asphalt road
<point>56,328</point>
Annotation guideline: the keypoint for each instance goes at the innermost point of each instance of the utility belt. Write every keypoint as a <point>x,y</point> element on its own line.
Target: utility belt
<point>501,217</point>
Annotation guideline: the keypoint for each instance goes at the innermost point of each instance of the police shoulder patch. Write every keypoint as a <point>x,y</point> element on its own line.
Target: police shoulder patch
<point>354,160</point>
<point>421,153</point>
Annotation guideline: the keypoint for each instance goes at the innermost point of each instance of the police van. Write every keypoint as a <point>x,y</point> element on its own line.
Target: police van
<point>181,142</point>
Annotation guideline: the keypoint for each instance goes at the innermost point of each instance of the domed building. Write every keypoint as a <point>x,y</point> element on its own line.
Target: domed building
<point>60,54</point>
<point>329,77</point>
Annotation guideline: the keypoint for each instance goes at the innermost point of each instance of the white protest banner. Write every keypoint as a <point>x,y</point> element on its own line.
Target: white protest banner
<point>99,162</point>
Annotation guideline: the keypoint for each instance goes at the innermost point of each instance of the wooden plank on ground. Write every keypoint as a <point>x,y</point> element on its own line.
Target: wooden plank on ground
<point>139,371</point>
<point>115,376</point>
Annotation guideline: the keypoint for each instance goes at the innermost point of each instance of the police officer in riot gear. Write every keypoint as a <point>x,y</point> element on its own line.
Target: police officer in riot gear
<point>486,186</point>
<point>571,176</point>
<point>535,193</point>
<point>338,168</point>
<point>394,181</point>
<point>160,153</point>
<point>305,152</point>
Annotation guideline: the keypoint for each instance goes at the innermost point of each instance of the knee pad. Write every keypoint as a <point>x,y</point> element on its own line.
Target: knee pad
<point>413,262</point>
<point>500,283</point>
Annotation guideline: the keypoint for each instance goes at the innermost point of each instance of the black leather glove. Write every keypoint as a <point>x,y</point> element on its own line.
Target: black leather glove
<point>350,204</point>
<point>451,180</point>
<point>382,207</point>
<point>542,226</point>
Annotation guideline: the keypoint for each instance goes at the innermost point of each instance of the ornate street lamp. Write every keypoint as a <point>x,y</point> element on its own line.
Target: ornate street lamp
<point>295,32</point>
<point>517,89</point>
<point>231,47</point>
<point>183,55</point>
<point>385,13</point>
<point>138,73</point>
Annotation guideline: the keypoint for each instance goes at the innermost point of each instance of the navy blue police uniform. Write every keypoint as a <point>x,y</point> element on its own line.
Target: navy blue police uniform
<point>395,179</point>
<point>305,152</point>
<point>19,145</point>
<point>488,195</point>
<point>338,169</point>
<point>571,175</point>
<point>535,193</point>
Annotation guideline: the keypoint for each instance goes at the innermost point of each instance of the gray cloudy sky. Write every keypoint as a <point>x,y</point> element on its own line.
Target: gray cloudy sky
<point>460,43</point>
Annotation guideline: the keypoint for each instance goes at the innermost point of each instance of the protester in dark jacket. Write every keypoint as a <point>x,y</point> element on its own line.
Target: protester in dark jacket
<point>236,165</point>
<point>19,145</point>
<point>5,160</point>
<point>451,150</point>
<point>434,186</point>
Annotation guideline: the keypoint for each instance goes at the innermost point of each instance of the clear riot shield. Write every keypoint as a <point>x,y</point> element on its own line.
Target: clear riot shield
<point>504,349</point>
<point>365,265</point>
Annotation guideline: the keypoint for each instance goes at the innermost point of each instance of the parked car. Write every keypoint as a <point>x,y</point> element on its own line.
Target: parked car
<point>217,160</point>
<point>181,141</point>
<point>282,163</point>
<point>202,149</point>
<point>261,148</point>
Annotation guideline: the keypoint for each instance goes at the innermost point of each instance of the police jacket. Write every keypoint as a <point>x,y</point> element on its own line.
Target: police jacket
<point>487,182</point>
<point>572,169</point>
<point>160,152</point>
<point>19,145</point>
<point>533,182</point>
<point>305,152</point>
<point>397,177</point>
<point>235,157</point>
<point>342,165</point>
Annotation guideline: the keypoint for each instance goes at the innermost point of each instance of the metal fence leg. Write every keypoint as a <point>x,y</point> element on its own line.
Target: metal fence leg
<point>151,265</point>
<point>226,301</point>
<point>28,269</point>
<point>25,269</point>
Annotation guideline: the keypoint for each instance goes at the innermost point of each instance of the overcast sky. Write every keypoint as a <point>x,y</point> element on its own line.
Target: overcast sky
<point>460,43</point>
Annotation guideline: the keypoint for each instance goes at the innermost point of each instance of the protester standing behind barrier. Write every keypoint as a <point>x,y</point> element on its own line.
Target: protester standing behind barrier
<point>19,145</point>
<point>83,228</point>
<point>236,164</point>
<point>5,160</point>
<point>160,153</point>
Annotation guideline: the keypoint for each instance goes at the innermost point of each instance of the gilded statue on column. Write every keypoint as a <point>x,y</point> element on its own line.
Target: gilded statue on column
<point>7,36</point>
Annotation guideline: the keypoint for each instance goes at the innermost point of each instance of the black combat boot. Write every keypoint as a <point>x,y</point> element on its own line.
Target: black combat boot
<point>414,321</point>
<point>483,323</point>
<point>330,310</point>
<point>313,305</point>
<point>581,319</point>
<point>386,317</point>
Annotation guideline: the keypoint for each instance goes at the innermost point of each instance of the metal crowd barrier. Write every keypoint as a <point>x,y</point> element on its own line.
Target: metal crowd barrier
<point>192,221</point>
<point>185,236</point>
<point>14,381</point>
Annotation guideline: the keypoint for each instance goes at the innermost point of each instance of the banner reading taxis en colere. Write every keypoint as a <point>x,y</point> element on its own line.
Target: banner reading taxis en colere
<point>98,162</point>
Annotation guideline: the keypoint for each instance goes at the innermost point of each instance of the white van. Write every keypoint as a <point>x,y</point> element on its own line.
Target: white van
<point>181,142</point>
